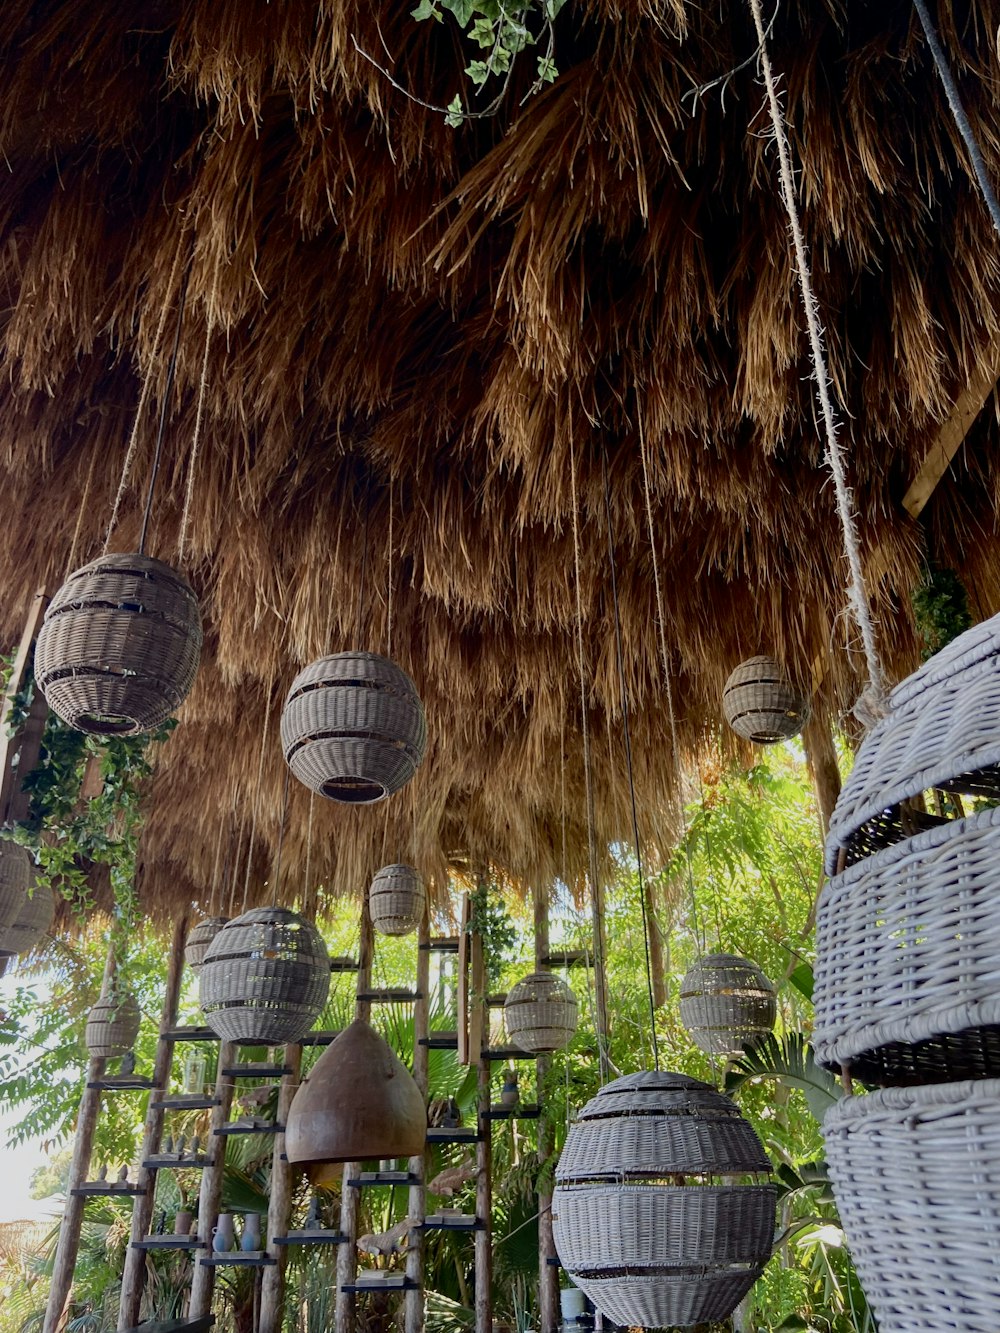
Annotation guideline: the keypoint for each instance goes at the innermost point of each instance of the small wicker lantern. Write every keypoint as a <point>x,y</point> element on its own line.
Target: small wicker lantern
<point>15,876</point>
<point>353,728</point>
<point>396,900</point>
<point>200,938</point>
<point>727,1004</point>
<point>119,648</point>
<point>761,704</point>
<point>264,977</point>
<point>32,922</point>
<point>112,1026</point>
<point>540,1013</point>
<point>651,1254</point>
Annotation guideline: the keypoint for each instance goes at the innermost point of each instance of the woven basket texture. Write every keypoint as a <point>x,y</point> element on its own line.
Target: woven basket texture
<point>112,1026</point>
<point>908,958</point>
<point>915,1175</point>
<point>942,730</point>
<point>15,876</point>
<point>119,648</point>
<point>265,977</point>
<point>761,704</point>
<point>200,937</point>
<point>647,1248</point>
<point>727,1004</point>
<point>540,1013</point>
<point>32,922</point>
<point>353,728</point>
<point>396,900</point>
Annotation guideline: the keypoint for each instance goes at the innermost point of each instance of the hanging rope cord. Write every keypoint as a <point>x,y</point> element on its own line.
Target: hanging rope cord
<point>835,456</point>
<point>630,770</point>
<point>198,420</point>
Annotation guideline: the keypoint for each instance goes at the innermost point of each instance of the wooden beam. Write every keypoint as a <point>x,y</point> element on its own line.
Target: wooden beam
<point>484,1149</point>
<point>203,1278</point>
<point>950,434</point>
<point>279,1211</point>
<point>413,1302</point>
<point>19,753</point>
<point>548,1274</point>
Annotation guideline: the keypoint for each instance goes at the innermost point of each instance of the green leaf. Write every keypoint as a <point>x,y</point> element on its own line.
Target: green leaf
<point>483,32</point>
<point>462,9</point>
<point>552,8</point>
<point>456,113</point>
<point>547,71</point>
<point>801,978</point>
<point>478,72</point>
<point>427,10</point>
<point>792,1064</point>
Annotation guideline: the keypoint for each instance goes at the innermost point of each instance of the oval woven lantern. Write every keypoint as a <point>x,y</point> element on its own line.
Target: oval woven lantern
<point>353,728</point>
<point>727,1004</point>
<point>112,1026</point>
<point>396,900</point>
<point>32,922</point>
<point>761,703</point>
<point>200,937</point>
<point>265,977</point>
<point>15,876</point>
<point>540,1013</point>
<point>651,1254</point>
<point>119,647</point>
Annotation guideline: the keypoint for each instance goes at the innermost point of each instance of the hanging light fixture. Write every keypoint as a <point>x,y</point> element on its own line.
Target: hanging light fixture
<point>762,704</point>
<point>359,1103</point>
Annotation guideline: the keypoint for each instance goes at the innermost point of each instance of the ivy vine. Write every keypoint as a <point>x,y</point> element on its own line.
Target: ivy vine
<point>940,610</point>
<point>489,918</point>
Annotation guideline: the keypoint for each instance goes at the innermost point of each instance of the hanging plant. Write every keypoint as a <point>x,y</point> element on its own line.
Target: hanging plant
<point>940,610</point>
<point>488,918</point>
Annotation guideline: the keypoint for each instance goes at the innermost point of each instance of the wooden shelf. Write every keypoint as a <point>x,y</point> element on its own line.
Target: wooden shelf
<point>251,1070</point>
<point>461,1134</point>
<point>496,1001</point>
<point>443,944</point>
<point>163,1161</point>
<point>506,1053</point>
<point>440,1041</point>
<point>379,1280</point>
<point>319,1236</point>
<point>384,1178</point>
<point>565,958</point>
<point>343,963</point>
<point>320,1038</point>
<point>166,1242</point>
<point>188,1033</point>
<point>389,995</point>
<point>528,1112</point>
<point>272,1127</point>
<point>123,1083</point>
<point>239,1259</point>
<point>442,1222</point>
<point>185,1101</point>
<point>92,1189</point>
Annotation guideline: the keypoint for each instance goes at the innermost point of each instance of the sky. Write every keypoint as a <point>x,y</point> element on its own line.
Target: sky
<point>18,1164</point>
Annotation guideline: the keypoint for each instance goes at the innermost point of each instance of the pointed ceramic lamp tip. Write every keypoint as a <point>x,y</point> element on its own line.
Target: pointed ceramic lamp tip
<point>359,1102</point>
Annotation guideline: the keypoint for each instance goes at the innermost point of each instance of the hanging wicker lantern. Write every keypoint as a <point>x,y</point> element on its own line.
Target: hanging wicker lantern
<point>651,1254</point>
<point>540,1013</point>
<point>15,876</point>
<point>118,650</point>
<point>727,1004</point>
<point>359,1102</point>
<point>112,1026</point>
<point>761,704</point>
<point>353,728</point>
<point>200,938</point>
<point>265,977</point>
<point>396,900</point>
<point>32,922</point>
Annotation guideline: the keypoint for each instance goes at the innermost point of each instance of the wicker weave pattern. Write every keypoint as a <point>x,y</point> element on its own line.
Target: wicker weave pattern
<point>15,876</point>
<point>648,1249</point>
<point>353,728</point>
<point>32,922</point>
<point>761,704</point>
<point>112,1026</point>
<point>540,1013</point>
<point>200,937</point>
<point>908,944</point>
<point>265,977</point>
<point>914,1173</point>
<point>396,900</point>
<point>727,1004</point>
<point>120,644</point>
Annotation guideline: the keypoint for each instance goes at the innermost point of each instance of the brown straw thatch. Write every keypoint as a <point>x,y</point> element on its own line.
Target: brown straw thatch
<point>423,325</point>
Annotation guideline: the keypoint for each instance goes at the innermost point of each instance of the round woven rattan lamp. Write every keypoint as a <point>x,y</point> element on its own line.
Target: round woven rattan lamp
<point>359,1102</point>
<point>200,937</point>
<point>540,1013</point>
<point>761,703</point>
<point>112,1026</point>
<point>265,977</point>
<point>15,876</point>
<point>353,728</point>
<point>651,1254</point>
<point>727,1004</point>
<point>119,647</point>
<point>32,922</point>
<point>396,900</point>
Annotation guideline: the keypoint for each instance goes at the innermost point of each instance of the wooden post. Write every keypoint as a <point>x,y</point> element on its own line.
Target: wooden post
<point>279,1210</point>
<point>134,1273</point>
<point>26,742</point>
<point>484,1148</point>
<point>548,1275</point>
<point>203,1280</point>
<point>350,1198</point>
<point>414,1300</point>
<point>821,757</point>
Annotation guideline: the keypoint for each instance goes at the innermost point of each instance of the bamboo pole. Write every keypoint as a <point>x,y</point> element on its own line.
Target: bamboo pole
<point>414,1300</point>
<point>350,1198</point>
<point>548,1276</point>
<point>484,1151</point>
<point>279,1210</point>
<point>68,1245</point>
<point>134,1274</point>
<point>203,1281</point>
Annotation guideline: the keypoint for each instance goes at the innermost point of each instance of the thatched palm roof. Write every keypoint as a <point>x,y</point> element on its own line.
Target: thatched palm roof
<point>420,322</point>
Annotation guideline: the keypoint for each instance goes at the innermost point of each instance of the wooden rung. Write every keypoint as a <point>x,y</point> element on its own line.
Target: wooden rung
<point>319,1236</point>
<point>463,1134</point>
<point>239,1258</point>
<point>320,1038</point>
<point>188,1033</point>
<point>163,1162</point>
<point>496,1001</point>
<point>344,963</point>
<point>440,1041</point>
<point>256,1071</point>
<point>92,1189</point>
<point>444,944</point>
<point>270,1128</point>
<point>441,1222</point>
<point>185,1101</point>
<point>391,995</point>
<point>506,1053</point>
<point>512,1113</point>
<point>123,1083</point>
<point>565,958</point>
<point>384,1178</point>
<point>377,1279</point>
<point>167,1243</point>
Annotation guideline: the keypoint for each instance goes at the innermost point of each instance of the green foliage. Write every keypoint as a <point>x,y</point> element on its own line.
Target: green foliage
<point>940,610</point>
<point>488,917</point>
